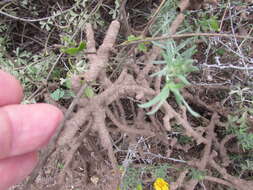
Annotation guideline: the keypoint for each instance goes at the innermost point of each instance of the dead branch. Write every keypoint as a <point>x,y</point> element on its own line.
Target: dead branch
<point>183,121</point>
<point>197,100</point>
<point>223,151</point>
<point>122,111</point>
<point>180,18</point>
<point>237,183</point>
<point>207,151</point>
<point>99,60</point>
<point>100,127</point>
<point>210,136</point>
<point>74,145</point>
<point>180,180</point>
<point>73,125</point>
<point>183,5</point>
<point>127,129</point>
<point>217,180</point>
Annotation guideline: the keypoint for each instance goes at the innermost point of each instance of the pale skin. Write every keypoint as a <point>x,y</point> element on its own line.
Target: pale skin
<point>24,129</point>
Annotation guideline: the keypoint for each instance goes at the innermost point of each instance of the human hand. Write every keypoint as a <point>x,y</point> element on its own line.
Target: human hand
<point>23,130</point>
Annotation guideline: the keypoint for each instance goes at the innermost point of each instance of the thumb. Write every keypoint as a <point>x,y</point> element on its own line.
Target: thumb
<point>26,128</point>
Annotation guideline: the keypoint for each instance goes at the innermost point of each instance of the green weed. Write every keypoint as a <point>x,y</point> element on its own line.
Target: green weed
<point>177,65</point>
<point>238,125</point>
<point>197,174</point>
<point>133,177</point>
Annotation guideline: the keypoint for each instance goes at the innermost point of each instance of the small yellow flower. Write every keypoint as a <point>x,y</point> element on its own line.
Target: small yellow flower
<point>161,184</point>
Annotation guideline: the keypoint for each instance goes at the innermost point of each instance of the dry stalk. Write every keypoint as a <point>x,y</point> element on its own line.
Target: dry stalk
<point>74,146</point>
<point>126,129</point>
<point>223,151</point>
<point>73,125</point>
<point>105,139</point>
<point>201,165</point>
<point>98,61</point>
<point>183,121</point>
<point>180,180</point>
<point>217,180</point>
<point>236,182</point>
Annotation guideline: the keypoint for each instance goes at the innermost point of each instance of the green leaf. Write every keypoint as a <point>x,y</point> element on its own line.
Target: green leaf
<point>156,107</point>
<point>82,46</point>
<point>183,79</point>
<point>139,187</point>
<point>74,51</point>
<point>178,96</point>
<point>175,86</point>
<point>168,56</point>
<point>197,174</point>
<point>187,54</point>
<point>184,43</point>
<point>89,92</point>
<point>210,24</point>
<point>142,47</point>
<point>68,83</point>
<point>57,94</point>
<point>195,114</point>
<point>164,94</point>
<point>220,51</point>
<point>180,99</point>
<point>133,38</point>
<point>68,94</point>
<point>159,62</point>
<point>160,73</point>
<point>214,23</point>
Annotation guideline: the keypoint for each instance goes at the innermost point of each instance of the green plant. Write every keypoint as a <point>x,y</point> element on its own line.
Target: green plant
<point>164,19</point>
<point>197,174</point>
<point>141,46</point>
<point>47,25</point>
<point>248,165</point>
<point>242,96</point>
<point>178,64</point>
<point>238,125</point>
<point>242,162</point>
<point>183,139</point>
<point>209,23</point>
<point>57,94</point>
<point>115,12</point>
<point>60,165</point>
<point>132,178</point>
<point>30,69</point>
<point>74,50</point>
<point>159,171</point>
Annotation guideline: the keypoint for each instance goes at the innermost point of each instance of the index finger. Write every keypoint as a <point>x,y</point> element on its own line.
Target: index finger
<point>10,89</point>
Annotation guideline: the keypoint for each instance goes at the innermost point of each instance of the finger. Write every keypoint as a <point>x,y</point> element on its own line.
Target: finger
<point>28,127</point>
<point>5,134</point>
<point>13,170</point>
<point>10,89</point>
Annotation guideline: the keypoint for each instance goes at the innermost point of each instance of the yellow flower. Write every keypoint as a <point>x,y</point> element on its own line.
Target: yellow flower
<point>161,184</point>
